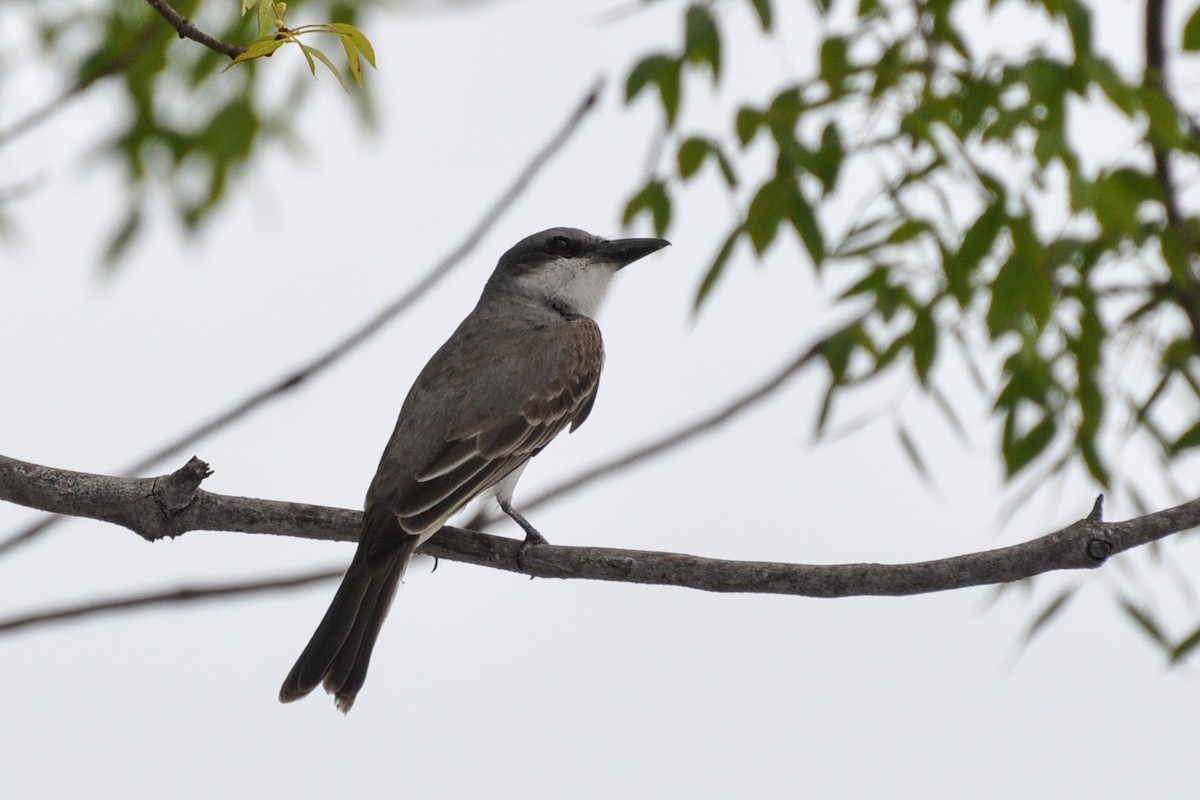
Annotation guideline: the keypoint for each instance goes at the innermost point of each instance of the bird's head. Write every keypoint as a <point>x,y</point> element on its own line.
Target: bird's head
<point>566,268</point>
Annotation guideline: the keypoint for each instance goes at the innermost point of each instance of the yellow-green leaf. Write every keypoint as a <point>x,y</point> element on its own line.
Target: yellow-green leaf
<point>352,58</point>
<point>1191,32</point>
<point>268,22</point>
<point>361,43</point>
<point>312,52</point>
<point>260,48</point>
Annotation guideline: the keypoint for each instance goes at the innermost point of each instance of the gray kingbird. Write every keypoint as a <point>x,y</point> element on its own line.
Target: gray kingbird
<point>522,366</point>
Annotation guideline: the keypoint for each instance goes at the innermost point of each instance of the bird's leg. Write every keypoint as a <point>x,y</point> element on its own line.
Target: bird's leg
<point>532,536</point>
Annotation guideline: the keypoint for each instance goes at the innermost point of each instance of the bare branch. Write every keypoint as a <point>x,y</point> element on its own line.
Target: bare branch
<point>1155,77</point>
<point>173,504</point>
<point>339,349</point>
<point>185,594</point>
<point>20,190</point>
<point>187,30</point>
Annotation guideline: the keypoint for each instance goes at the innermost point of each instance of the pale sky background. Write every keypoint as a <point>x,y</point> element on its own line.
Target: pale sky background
<point>486,684</point>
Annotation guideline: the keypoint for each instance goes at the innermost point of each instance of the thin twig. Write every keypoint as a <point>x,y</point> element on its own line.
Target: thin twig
<point>20,190</point>
<point>185,594</point>
<point>358,336</point>
<point>187,30</point>
<point>40,115</point>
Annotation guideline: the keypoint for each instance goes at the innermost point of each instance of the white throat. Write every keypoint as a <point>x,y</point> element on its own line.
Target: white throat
<point>578,285</point>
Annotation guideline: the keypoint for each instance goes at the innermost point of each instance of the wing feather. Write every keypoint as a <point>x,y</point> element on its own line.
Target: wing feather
<point>494,429</point>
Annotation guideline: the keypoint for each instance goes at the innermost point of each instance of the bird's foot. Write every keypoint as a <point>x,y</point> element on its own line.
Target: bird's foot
<point>533,537</point>
<point>532,540</point>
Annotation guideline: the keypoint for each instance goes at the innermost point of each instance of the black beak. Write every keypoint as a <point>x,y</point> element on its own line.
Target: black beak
<point>623,252</point>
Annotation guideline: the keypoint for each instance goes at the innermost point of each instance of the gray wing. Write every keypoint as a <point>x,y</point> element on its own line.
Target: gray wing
<point>503,413</point>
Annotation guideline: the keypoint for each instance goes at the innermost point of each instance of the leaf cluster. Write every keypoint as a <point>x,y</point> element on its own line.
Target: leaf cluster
<point>273,34</point>
<point>927,268</point>
<point>985,229</point>
<point>186,134</point>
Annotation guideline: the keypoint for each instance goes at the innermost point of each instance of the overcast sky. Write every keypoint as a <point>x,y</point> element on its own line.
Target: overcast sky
<point>486,684</point>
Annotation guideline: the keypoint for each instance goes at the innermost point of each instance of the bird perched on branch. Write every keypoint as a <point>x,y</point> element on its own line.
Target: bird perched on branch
<point>522,366</point>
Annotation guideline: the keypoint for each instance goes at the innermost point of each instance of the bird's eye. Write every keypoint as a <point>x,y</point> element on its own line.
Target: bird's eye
<point>560,244</point>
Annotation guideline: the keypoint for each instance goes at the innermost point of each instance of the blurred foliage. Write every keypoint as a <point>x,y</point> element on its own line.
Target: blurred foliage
<point>1068,287</point>
<point>188,132</point>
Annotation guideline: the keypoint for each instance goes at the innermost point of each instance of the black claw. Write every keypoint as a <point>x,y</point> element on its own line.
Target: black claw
<point>532,539</point>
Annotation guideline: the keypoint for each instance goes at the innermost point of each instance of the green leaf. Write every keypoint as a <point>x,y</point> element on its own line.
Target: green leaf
<point>1079,20</point>
<point>749,121</point>
<point>977,243</point>
<point>907,230</point>
<point>1178,256</point>
<point>1181,650</point>
<point>361,43</point>
<point>837,351</point>
<point>923,339</point>
<point>784,112</point>
<point>691,156</point>
<point>702,40</point>
<point>311,52</point>
<point>1022,289</point>
<point>835,63</point>
<point>914,455</point>
<point>268,20</point>
<point>1122,94</point>
<point>1191,32</point>
<point>1165,129</point>
<point>1020,450</point>
<point>804,220</point>
<point>1146,622</point>
<point>652,199</point>
<point>763,9</point>
<point>717,267</point>
<point>874,282</point>
<point>828,163</point>
<point>261,47</point>
<point>1119,197</point>
<point>1188,439</point>
<point>727,172</point>
<point>669,91</point>
<point>943,404</point>
<point>771,204</point>
<point>122,237</point>
<point>1051,610</point>
<point>352,58</point>
<point>663,71</point>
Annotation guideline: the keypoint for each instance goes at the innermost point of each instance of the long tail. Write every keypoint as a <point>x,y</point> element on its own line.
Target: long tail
<point>339,652</point>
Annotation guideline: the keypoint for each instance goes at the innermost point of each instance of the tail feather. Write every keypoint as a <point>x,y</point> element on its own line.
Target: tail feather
<point>347,671</point>
<point>340,649</point>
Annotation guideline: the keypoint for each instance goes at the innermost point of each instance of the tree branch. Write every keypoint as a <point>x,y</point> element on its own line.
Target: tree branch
<point>187,30</point>
<point>1156,78</point>
<point>173,504</point>
<point>339,349</point>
